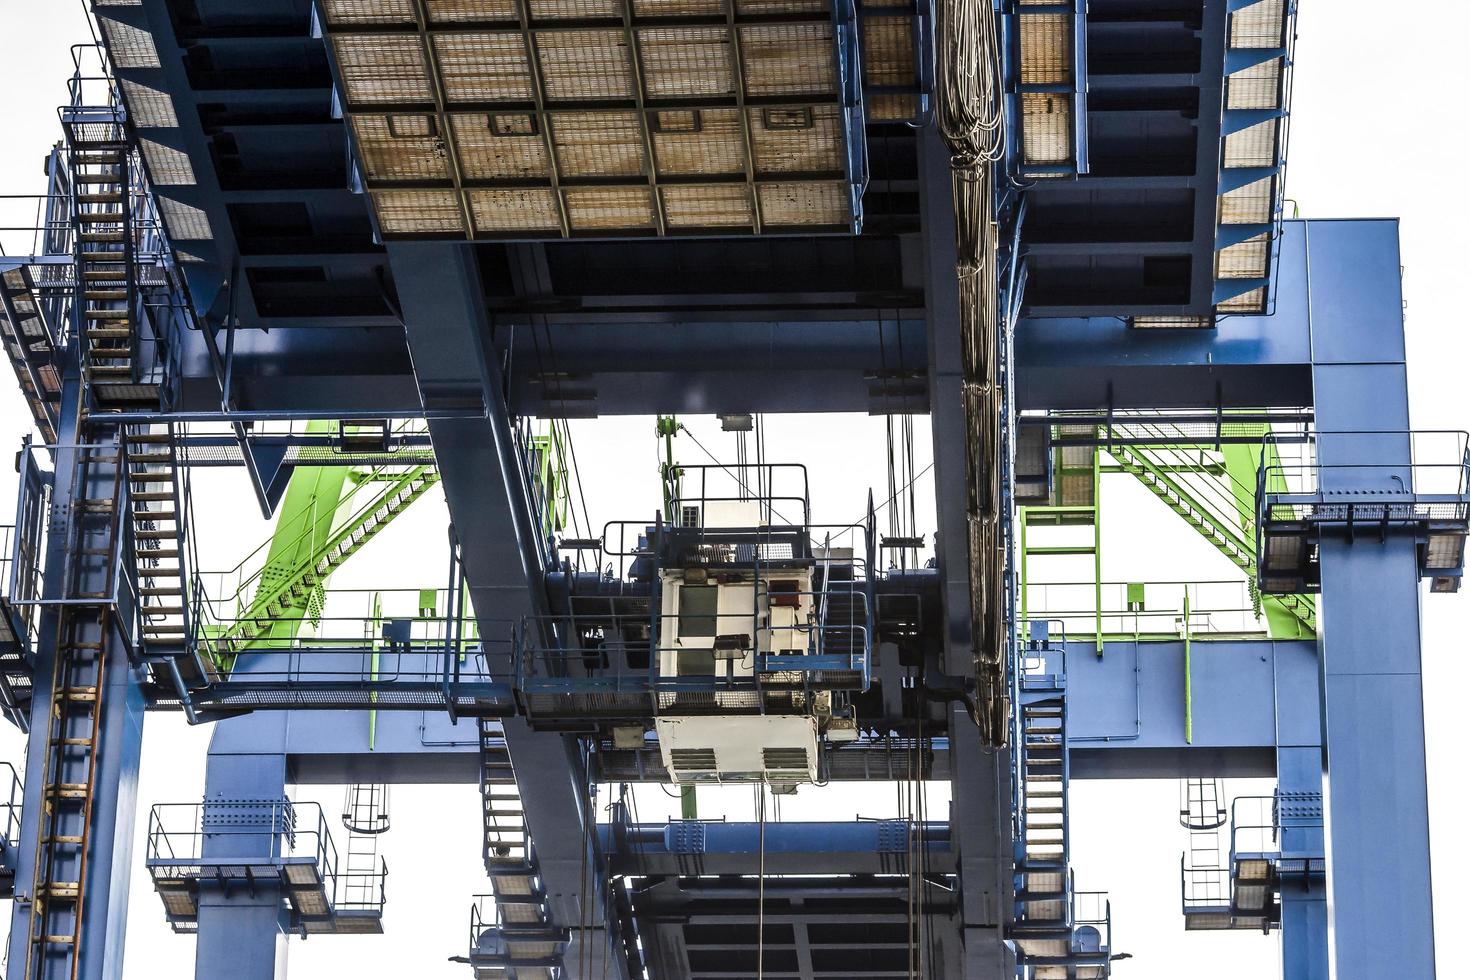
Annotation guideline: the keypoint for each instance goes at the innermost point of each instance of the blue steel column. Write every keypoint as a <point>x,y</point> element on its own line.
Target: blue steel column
<point>240,929</point>
<point>1377,821</point>
<point>120,743</point>
<point>456,367</point>
<point>1298,727</point>
<point>1304,947</point>
<point>980,824</point>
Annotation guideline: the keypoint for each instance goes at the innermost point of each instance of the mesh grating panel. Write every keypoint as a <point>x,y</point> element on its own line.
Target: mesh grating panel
<point>609,208</point>
<point>369,11</point>
<point>490,67</point>
<point>888,51</point>
<point>524,210</point>
<point>751,8</point>
<point>471,11</point>
<point>1046,128</point>
<point>598,144</point>
<point>585,65</point>
<point>686,62</point>
<point>551,129</point>
<point>418,212</point>
<point>484,155</point>
<point>707,206</point>
<point>1254,146</point>
<point>1261,25</point>
<point>1251,301</point>
<point>382,68</point>
<point>1257,87</point>
<point>714,146</point>
<point>575,9</point>
<point>184,220</point>
<point>678,8</point>
<point>888,108</point>
<point>780,148</point>
<point>1046,49</point>
<point>1249,205</point>
<point>129,46</point>
<point>149,108</point>
<point>165,164</point>
<point>388,153</point>
<point>1245,260</point>
<point>804,203</point>
<point>787,59</point>
<point>1171,322</point>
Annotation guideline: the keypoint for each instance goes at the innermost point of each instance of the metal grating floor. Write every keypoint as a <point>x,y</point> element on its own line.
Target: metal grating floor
<point>514,119</point>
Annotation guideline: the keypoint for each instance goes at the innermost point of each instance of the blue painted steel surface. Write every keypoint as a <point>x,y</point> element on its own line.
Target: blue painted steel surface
<point>1379,901</point>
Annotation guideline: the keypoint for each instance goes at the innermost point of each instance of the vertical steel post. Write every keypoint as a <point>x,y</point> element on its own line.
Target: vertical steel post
<point>1377,819</point>
<point>99,937</point>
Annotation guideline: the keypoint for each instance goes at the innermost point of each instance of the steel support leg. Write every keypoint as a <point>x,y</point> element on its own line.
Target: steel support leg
<point>240,928</point>
<point>118,740</point>
<point>456,365</point>
<point>1303,898</point>
<point>1377,820</point>
<point>240,936</point>
<point>980,825</point>
<point>1304,931</point>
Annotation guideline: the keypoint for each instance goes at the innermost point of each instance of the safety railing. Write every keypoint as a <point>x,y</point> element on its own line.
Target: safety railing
<point>611,651</point>
<point>378,635</point>
<point>1338,476</point>
<point>191,840</point>
<point>19,616</point>
<point>1092,926</point>
<point>11,802</point>
<point>239,831</point>
<point>1254,827</point>
<point>1204,886</point>
<point>1150,609</point>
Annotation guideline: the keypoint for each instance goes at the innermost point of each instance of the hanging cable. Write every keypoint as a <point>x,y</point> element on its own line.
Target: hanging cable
<point>971,120</point>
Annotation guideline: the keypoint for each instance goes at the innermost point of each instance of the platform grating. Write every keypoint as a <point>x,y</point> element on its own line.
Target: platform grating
<point>552,118</point>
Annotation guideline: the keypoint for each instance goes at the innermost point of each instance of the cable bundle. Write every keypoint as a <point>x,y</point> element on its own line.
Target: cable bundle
<point>971,121</point>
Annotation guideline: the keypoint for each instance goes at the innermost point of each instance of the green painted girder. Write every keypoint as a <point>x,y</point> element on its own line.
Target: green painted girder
<point>290,586</point>
<point>1286,616</point>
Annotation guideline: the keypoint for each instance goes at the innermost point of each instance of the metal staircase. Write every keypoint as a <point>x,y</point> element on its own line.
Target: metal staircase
<point>295,587</point>
<point>32,349</point>
<point>1052,937</point>
<point>521,944</point>
<point>158,513</point>
<point>103,240</point>
<point>1209,505</point>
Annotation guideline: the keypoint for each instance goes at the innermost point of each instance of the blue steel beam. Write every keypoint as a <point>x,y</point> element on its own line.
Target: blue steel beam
<point>704,361</point>
<point>504,560</point>
<point>693,847</point>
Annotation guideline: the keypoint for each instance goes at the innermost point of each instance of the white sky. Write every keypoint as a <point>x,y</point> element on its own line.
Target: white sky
<point>1370,137</point>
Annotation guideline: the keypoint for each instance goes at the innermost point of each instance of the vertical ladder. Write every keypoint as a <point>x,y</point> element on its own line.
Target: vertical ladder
<point>365,815</point>
<point>84,632</point>
<point>1075,503</point>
